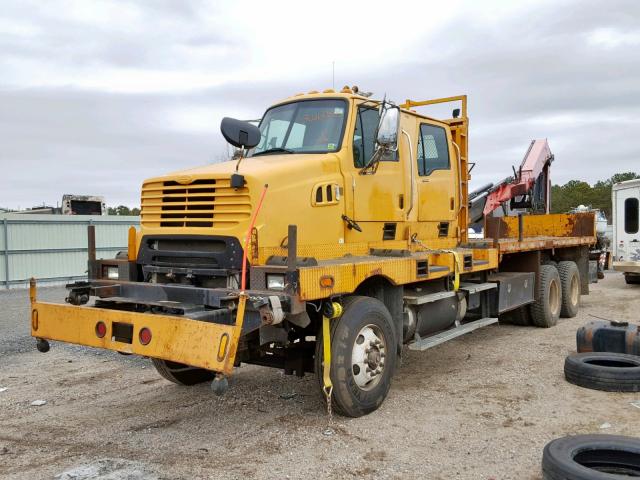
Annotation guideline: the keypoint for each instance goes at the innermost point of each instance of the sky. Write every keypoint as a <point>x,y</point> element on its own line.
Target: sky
<point>97,95</point>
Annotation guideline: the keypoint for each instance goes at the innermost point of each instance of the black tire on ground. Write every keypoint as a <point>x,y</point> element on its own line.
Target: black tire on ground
<point>632,279</point>
<point>591,457</point>
<point>182,374</point>
<point>570,283</point>
<point>364,319</point>
<point>545,311</point>
<point>519,316</point>
<point>612,372</point>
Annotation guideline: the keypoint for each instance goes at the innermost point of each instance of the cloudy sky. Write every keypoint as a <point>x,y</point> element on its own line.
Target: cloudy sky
<point>96,95</point>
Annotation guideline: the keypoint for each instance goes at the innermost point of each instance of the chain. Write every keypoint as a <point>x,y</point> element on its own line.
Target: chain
<point>327,395</point>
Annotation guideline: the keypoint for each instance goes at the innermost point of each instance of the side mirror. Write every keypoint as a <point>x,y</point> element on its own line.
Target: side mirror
<point>240,134</point>
<point>388,128</point>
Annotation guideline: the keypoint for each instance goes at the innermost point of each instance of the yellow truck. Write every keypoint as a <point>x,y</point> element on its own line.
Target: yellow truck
<point>334,239</point>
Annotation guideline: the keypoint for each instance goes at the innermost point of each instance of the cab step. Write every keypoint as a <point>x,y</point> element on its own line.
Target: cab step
<point>433,340</point>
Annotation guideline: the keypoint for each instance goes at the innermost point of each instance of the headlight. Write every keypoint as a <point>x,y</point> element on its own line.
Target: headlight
<point>275,281</point>
<point>110,272</point>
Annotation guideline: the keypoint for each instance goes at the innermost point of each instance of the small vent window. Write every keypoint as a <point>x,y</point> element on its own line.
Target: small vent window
<point>325,194</point>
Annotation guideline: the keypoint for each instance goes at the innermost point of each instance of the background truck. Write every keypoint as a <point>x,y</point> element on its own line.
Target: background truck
<point>339,238</point>
<point>72,205</point>
<point>625,204</point>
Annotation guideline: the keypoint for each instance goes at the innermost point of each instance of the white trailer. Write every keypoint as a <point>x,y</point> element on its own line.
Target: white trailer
<point>625,203</point>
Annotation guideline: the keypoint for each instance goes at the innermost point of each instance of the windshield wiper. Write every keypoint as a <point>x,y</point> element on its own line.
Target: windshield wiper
<point>274,150</point>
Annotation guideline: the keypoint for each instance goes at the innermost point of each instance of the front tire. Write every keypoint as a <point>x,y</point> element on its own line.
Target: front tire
<point>363,356</point>
<point>182,374</point>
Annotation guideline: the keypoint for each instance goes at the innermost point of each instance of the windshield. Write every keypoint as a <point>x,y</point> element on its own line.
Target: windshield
<point>308,126</point>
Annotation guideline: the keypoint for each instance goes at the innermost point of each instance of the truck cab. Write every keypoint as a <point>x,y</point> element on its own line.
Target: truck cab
<point>318,154</point>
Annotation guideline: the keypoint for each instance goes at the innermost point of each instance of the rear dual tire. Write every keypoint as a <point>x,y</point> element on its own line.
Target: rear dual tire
<point>570,282</point>
<point>545,311</point>
<point>557,293</point>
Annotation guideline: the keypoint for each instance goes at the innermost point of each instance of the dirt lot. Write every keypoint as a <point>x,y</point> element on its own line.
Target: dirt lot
<point>480,407</point>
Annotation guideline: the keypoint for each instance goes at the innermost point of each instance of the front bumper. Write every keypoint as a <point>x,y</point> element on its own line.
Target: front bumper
<point>627,267</point>
<point>175,338</point>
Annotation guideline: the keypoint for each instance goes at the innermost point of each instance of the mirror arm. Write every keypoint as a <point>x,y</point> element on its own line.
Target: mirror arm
<point>373,162</point>
<point>242,154</point>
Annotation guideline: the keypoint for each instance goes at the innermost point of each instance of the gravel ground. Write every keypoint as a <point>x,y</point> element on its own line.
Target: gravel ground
<point>480,407</point>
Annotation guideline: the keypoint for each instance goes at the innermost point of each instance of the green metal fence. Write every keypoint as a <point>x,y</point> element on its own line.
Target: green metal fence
<point>53,248</point>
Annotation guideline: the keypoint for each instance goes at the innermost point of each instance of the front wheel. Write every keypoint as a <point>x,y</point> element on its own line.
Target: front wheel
<point>363,356</point>
<point>182,374</point>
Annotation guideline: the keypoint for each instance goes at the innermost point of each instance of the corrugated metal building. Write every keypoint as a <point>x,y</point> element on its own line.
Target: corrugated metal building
<point>53,248</point>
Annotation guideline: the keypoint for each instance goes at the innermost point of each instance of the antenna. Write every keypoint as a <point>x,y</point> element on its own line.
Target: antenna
<point>333,74</point>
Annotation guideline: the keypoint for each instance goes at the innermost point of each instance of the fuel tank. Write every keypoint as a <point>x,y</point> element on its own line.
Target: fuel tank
<point>608,336</point>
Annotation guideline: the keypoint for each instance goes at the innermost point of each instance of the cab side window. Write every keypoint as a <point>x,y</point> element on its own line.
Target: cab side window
<point>364,137</point>
<point>433,150</point>
<point>631,214</point>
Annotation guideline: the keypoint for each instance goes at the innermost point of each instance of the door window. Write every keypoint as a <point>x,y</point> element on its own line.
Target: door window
<point>364,137</point>
<point>631,214</point>
<point>433,150</point>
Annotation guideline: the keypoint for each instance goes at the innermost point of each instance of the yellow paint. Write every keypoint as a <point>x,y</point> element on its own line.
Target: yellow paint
<point>293,179</point>
<point>201,201</point>
<point>173,338</point>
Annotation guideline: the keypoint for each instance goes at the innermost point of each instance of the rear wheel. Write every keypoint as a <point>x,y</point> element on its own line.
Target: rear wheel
<point>182,374</point>
<point>570,283</point>
<point>363,356</point>
<point>545,311</point>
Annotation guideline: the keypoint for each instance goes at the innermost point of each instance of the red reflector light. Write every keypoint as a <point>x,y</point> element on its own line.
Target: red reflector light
<point>145,336</point>
<point>101,329</point>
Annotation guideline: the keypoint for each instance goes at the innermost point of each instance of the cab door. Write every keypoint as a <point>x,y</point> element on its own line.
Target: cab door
<point>437,170</point>
<point>377,197</point>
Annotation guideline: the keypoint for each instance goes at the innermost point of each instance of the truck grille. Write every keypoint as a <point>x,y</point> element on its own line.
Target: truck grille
<point>200,203</point>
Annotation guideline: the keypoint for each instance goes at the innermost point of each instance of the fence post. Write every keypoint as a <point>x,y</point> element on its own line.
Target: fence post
<point>6,253</point>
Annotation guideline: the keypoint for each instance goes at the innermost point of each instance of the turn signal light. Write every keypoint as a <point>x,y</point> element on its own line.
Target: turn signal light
<point>145,336</point>
<point>101,329</point>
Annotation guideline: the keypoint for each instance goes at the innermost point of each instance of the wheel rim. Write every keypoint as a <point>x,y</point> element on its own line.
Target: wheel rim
<point>575,290</point>
<point>368,357</point>
<point>554,298</point>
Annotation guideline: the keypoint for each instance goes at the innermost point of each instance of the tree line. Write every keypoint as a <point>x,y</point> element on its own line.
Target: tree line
<point>576,192</point>
<point>123,210</point>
